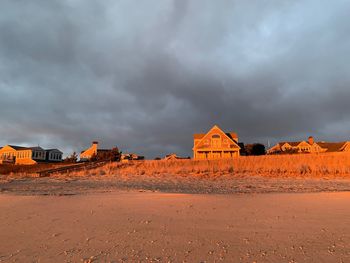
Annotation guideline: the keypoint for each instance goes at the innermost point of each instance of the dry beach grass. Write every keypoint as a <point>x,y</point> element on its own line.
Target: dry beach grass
<point>261,174</point>
<point>306,165</point>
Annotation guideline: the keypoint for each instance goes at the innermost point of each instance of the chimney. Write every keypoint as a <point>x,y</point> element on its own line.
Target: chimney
<point>311,140</point>
<point>94,146</point>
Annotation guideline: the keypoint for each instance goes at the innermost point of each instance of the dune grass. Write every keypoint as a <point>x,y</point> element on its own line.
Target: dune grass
<point>335,165</point>
<point>306,165</point>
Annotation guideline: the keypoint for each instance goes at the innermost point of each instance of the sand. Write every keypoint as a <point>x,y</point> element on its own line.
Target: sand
<point>73,185</point>
<point>134,226</point>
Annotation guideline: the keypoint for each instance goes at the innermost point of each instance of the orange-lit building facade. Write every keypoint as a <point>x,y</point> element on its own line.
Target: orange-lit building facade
<point>28,155</point>
<point>94,150</point>
<point>215,144</point>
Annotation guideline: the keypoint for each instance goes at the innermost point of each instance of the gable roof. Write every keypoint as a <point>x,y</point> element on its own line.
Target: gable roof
<point>51,150</point>
<point>22,148</point>
<point>231,135</point>
<point>328,146</point>
<point>18,148</point>
<point>293,144</point>
<point>290,143</point>
<point>36,148</point>
<point>220,130</point>
<point>104,150</point>
<point>332,146</point>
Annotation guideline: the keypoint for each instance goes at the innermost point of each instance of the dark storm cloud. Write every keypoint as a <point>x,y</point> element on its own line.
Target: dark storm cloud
<point>146,75</point>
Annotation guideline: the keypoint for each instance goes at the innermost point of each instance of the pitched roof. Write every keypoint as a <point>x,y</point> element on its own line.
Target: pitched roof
<point>50,150</point>
<point>36,148</point>
<point>332,146</point>
<point>232,135</point>
<point>104,150</point>
<point>293,144</point>
<point>19,147</point>
<point>201,136</point>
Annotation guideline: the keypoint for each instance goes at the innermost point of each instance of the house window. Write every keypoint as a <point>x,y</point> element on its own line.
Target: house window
<point>216,141</point>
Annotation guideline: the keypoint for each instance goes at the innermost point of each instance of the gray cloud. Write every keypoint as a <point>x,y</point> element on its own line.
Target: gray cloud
<point>146,75</point>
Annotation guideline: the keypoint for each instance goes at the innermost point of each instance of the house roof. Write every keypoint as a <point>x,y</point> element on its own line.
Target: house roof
<point>50,150</point>
<point>99,150</point>
<point>293,144</point>
<point>231,135</point>
<point>36,148</point>
<point>234,134</point>
<point>201,136</point>
<point>21,148</point>
<point>104,150</point>
<point>332,146</point>
<point>17,148</point>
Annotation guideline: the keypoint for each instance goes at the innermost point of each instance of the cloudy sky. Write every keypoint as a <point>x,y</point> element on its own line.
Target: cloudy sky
<point>147,74</point>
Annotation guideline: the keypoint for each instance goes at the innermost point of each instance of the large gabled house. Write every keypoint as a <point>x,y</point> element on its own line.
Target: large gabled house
<point>28,155</point>
<point>309,146</point>
<point>215,144</point>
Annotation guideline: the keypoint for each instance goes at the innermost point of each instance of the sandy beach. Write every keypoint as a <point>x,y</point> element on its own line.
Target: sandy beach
<point>145,226</point>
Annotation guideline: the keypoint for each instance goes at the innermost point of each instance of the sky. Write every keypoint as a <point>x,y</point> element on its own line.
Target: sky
<point>146,75</point>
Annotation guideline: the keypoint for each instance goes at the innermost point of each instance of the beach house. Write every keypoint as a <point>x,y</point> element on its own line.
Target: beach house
<point>215,144</point>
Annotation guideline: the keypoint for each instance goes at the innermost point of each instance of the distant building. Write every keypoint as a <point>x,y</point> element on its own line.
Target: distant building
<point>335,146</point>
<point>53,155</point>
<point>215,144</point>
<point>27,155</point>
<point>173,156</point>
<point>94,151</point>
<point>131,157</point>
<point>309,146</point>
